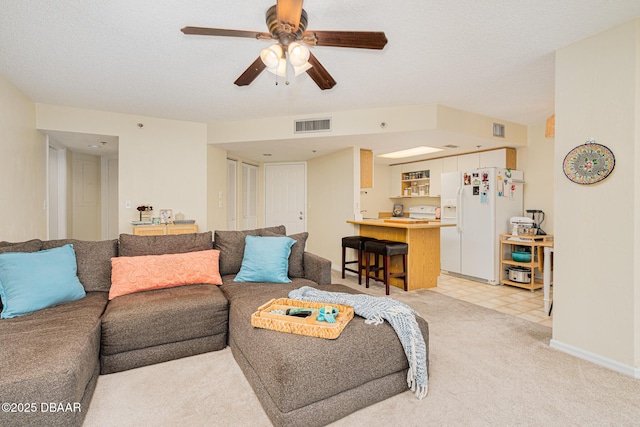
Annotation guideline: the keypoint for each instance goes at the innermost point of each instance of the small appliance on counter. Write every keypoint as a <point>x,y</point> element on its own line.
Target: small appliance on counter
<point>520,274</point>
<point>521,226</point>
<point>538,218</point>
<point>423,212</point>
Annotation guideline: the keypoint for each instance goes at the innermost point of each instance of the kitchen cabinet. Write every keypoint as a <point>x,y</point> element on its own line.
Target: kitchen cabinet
<point>530,268</point>
<point>502,158</point>
<point>164,229</point>
<point>467,162</point>
<point>395,183</point>
<point>435,171</point>
<point>366,168</point>
<point>450,164</point>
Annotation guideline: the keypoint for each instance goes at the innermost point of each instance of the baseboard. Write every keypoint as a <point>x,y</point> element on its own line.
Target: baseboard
<point>596,358</point>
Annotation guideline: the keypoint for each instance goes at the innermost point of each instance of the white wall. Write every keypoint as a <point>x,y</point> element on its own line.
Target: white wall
<point>216,186</point>
<point>376,199</point>
<point>163,163</point>
<point>597,236</point>
<point>23,168</point>
<point>536,160</point>
<point>331,198</point>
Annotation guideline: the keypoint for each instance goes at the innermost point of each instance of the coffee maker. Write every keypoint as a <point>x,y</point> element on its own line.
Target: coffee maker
<point>538,218</point>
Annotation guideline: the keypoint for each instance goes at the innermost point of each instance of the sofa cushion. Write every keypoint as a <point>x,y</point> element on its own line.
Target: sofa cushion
<point>266,259</point>
<point>29,246</point>
<point>52,355</point>
<point>147,319</point>
<point>296,259</point>
<point>131,245</point>
<point>144,273</point>
<point>32,281</point>
<point>93,260</point>
<point>231,246</point>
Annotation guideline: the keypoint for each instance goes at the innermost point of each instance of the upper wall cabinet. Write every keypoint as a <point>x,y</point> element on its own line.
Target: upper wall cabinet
<point>450,164</point>
<point>435,171</point>
<point>395,183</point>
<point>501,158</point>
<point>366,169</point>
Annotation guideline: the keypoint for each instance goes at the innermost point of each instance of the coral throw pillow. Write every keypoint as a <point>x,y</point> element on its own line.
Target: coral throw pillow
<point>144,273</point>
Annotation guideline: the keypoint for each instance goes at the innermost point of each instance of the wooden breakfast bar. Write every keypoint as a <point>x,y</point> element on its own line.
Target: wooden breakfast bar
<point>424,247</point>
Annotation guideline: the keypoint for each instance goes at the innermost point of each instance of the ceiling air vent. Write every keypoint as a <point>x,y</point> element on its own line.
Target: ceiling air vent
<point>498,130</point>
<point>312,125</point>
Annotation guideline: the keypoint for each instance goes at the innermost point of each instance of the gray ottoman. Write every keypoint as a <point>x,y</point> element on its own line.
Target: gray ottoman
<point>311,381</point>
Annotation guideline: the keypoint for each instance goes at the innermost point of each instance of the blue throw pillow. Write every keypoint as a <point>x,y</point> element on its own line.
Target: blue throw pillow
<point>266,259</point>
<point>37,280</point>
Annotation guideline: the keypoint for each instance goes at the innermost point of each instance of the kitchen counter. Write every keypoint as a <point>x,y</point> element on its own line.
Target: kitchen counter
<point>401,223</point>
<point>424,248</point>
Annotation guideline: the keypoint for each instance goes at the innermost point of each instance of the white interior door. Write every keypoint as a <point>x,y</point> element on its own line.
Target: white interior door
<point>249,196</point>
<point>53,193</point>
<point>285,196</point>
<point>232,196</point>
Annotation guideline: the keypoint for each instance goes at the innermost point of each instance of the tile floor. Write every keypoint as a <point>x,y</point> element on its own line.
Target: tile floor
<point>511,300</point>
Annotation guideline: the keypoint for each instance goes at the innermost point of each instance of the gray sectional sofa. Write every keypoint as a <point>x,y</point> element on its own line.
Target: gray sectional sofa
<point>50,360</point>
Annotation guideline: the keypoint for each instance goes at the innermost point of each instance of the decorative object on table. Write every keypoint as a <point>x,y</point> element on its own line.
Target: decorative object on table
<point>156,220</point>
<point>166,216</point>
<point>327,314</point>
<point>588,163</point>
<point>269,316</point>
<point>141,222</point>
<point>398,210</point>
<point>521,256</point>
<point>145,213</point>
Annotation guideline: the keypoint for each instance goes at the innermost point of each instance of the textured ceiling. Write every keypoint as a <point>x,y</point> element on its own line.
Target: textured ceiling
<point>489,57</point>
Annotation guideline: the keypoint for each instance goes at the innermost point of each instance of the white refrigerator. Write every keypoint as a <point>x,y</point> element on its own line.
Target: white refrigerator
<point>481,203</point>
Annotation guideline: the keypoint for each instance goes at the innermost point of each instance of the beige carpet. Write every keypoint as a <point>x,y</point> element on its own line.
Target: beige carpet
<point>486,369</point>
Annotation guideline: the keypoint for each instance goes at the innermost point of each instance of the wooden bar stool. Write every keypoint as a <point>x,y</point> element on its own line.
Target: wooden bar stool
<point>357,243</point>
<point>386,249</point>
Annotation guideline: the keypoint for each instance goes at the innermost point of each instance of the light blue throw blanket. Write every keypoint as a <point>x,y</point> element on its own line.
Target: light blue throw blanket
<point>376,310</point>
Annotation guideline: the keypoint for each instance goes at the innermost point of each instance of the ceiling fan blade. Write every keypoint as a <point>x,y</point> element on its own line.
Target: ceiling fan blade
<point>319,74</point>
<point>355,39</point>
<point>289,12</point>
<point>202,31</point>
<point>250,73</point>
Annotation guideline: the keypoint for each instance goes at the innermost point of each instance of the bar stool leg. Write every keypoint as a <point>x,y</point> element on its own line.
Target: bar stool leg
<point>406,274</point>
<point>359,266</point>
<point>366,269</point>
<point>387,277</point>
<point>344,260</point>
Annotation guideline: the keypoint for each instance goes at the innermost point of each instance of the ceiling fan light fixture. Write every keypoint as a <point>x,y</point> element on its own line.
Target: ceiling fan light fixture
<point>299,69</point>
<point>298,54</point>
<point>271,56</point>
<point>281,69</point>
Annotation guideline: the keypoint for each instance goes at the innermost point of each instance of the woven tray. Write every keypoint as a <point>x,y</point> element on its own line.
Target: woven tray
<point>297,325</point>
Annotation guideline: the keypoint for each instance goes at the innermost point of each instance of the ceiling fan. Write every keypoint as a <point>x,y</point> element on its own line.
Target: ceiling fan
<point>287,24</point>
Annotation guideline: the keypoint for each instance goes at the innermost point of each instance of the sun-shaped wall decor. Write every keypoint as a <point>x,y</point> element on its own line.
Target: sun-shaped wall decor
<point>588,163</point>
